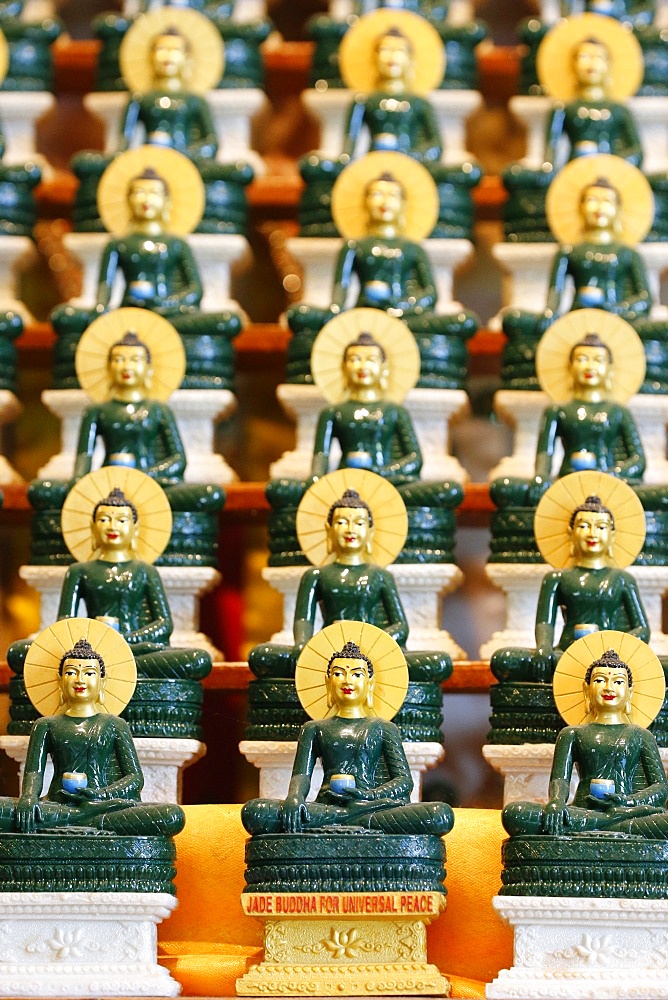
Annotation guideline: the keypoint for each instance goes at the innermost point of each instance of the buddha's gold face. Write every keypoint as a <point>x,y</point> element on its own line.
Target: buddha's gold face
<point>363,367</point>
<point>114,528</point>
<point>592,534</point>
<point>590,368</point>
<point>384,202</point>
<point>168,56</point>
<point>350,532</point>
<point>591,64</point>
<point>349,683</point>
<point>129,366</point>
<point>393,58</point>
<point>81,682</point>
<point>599,207</point>
<point>148,200</point>
<point>608,690</point>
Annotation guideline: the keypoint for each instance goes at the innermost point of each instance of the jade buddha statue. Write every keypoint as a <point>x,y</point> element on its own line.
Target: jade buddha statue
<point>592,123</point>
<point>350,587</point>
<point>595,431</point>
<point>394,117</point>
<point>243,60</point>
<point>373,433</point>
<point>364,748</point>
<point>86,742</point>
<point>394,274</point>
<point>137,432</point>
<point>169,113</point>
<point>605,273</point>
<point>622,784</point>
<point>159,272</point>
<point>591,593</point>
<point>118,588</point>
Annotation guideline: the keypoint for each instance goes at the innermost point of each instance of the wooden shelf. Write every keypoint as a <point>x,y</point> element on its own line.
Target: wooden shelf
<point>467,676</point>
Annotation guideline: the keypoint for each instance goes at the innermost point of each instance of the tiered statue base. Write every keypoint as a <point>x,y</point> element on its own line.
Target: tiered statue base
<point>9,411</point>
<point>344,944</point>
<point>19,112</point>
<point>83,944</point>
<point>578,949</point>
<point>344,912</point>
<point>275,712</point>
<point>163,762</point>
<point>17,253</point>
<point>431,410</point>
<point>274,760</point>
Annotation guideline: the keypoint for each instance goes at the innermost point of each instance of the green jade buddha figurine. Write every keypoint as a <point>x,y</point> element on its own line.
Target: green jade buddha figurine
<point>605,274</point>
<point>595,431</point>
<point>159,273</point>
<point>373,433</point>
<point>137,432</point>
<point>117,588</point>
<point>609,749</point>
<point>394,274</point>
<point>169,113</point>
<point>350,588</point>
<point>82,740</point>
<point>351,743</point>
<point>591,590</point>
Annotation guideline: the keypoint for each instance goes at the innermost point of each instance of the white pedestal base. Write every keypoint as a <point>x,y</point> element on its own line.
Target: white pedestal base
<point>451,107</point>
<point>162,762</point>
<point>432,410</point>
<point>16,254</point>
<point>523,410</point>
<point>19,111</point>
<point>419,586</point>
<point>274,761</point>
<point>196,411</point>
<point>317,257</point>
<point>10,408</point>
<point>521,584</point>
<point>567,948</point>
<point>183,585</point>
<point>214,255</point>
<point>526,273</point>
<point>83,944</point>
<point>231,110</point>
<point>526,769</point>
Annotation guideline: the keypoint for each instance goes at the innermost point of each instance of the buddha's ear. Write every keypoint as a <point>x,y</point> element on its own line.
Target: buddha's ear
<point>611,542</point>
<point>103,685</point>
<point>148,379</point>
<point>328,689</point>
<point>369,541</point>
<point>328,536</point>
<point>369,692</point>
<point>587,699</point>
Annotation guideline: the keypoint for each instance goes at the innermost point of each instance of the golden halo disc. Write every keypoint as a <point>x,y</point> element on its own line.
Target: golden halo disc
<point>4,56</point>
<point>421,195</point>
<point>389,668</point>
<point>554,59</point>
<point>356,52</point>
<point>206,60</point>
<point>168,357</point>
<point>556,344</point>
<point>399,344</point>
<point>649,685</point>
<point>48,648</point>
<point>153,511</point>
<point>564,196</point>
<point>390,520</point>
<point>554,510</point>
<point>186,189</point>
